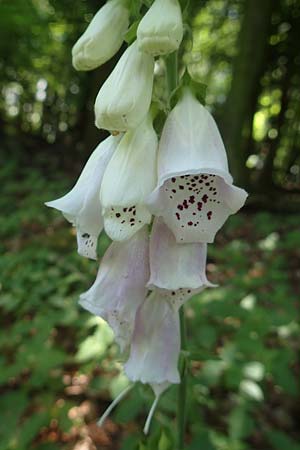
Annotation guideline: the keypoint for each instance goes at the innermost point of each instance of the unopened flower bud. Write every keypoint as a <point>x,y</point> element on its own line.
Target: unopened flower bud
<point>124,99</point>
<point>161,29</point>
<point>103,37</point>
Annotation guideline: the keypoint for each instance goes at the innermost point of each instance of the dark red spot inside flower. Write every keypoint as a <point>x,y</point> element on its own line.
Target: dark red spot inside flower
<point>173,180</point>
<point>118,215</point>
<point>192,199</point>
<point>178,216</point>
<point>174,190</point>
<point>185,204</point>
<point>199,206</point>
<point>181,187</point>
<point>205,198</point>
<point>180,207</point>
<point>190,223</point>
<point>125,209</point>
<point>209,214</point>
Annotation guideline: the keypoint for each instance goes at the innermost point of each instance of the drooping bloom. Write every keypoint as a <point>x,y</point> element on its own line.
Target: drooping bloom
<point>81,206</point>
<point>129,178</point>
<point>120,286</point>
<point>175,266</point>
<point>155,343</point>
<point>103,37</point>
<point>124,99</point>
<point>195,194</point>
<point>161,30</point>
<point>155,347</point>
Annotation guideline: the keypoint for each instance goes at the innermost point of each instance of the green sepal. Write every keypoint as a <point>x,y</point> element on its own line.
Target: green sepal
<point>198,88</point>
<point>130,36</point>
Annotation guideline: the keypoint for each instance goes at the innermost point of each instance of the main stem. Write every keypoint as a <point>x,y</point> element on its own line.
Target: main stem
<point>182,389</point>
<point>172,82</point>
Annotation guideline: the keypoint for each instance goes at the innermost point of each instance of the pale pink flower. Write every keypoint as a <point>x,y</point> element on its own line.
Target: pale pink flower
<point>120,286</point>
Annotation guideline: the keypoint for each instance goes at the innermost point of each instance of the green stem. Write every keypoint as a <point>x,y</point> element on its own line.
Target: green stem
<point>182,389</point>
<point>172,83</point>
<point>172,72</point>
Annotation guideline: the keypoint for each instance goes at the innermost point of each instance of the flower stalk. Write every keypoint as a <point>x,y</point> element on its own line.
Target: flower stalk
<point>172,83</point>
<point>182,388</point>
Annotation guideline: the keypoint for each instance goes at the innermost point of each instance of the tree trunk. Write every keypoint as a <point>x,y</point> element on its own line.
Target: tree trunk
<point>247,71</point>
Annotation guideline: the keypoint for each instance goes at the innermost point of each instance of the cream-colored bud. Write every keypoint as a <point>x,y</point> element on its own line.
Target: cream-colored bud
<point>103,37</point>
<point>161,29</point>
<point>124,99</point>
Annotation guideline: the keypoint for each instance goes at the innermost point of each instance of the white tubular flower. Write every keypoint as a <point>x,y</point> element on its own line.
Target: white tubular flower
<point>175,266</point>
<point>129,178</point>
<point>103,37</point>
<point>195,194</point>
<point>81,206</point>
<point>124,99</point>
<point>119,288</point>
<point>161,30</point>
<point>155,343</point>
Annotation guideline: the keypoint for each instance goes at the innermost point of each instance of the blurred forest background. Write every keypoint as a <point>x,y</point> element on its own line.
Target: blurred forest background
<point>59,366</point>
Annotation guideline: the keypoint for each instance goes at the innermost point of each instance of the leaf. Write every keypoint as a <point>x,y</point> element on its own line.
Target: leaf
<point>240,423</point>
<point>281,441</point>
<point>202,441</point>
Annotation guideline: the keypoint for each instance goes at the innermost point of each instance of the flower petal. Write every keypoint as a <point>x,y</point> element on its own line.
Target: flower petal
<point>155,343</point>
<point>128,180</point>
<point>124,99</point>
<point>81,206</point>
<point>174,266</point>
<point>195,194</point>
<point>119,288</point>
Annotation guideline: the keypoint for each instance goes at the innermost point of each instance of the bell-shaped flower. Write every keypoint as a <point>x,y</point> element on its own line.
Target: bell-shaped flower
<point>155,343</point>
<point>103,37</point>
<point>124,99</point>
<point>195,194</point>
<point>81,206</point>
<point>161,30</point>
<point>129,178</point>
<point>119,288</point>
<point>155,347</point>
<point>175,266</point>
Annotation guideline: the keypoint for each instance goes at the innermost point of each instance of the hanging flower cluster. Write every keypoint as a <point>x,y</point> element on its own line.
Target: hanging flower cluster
<point>179,183</point>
